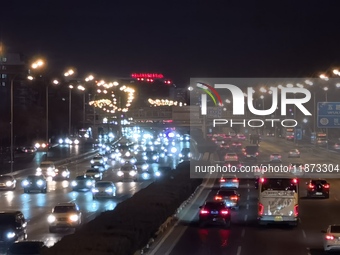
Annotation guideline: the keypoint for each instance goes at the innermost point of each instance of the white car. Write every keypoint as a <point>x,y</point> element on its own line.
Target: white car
<point>94,173</point>
<point>127,172</point>
<point>294,153</point>
<point>64,215</point>
<point>229,182</point>
<point>332,238</point>
<point>47,169</point>
<point>231,157</point>
<point>97,162</point>
<point>105,189</point>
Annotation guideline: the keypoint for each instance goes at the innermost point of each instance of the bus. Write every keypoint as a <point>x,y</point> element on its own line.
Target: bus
<point>319,139</point>
<point>278,201</point>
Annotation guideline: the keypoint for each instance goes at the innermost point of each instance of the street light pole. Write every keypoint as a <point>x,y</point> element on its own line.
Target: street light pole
<point>84,112</point>
<point>47,140</point>
<point>12,131</point>
<point>69,110</point>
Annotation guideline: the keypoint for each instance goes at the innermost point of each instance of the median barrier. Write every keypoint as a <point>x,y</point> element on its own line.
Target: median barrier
<point>134,222</point>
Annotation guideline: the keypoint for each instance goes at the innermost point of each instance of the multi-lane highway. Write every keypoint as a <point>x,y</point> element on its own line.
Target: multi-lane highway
<point>37,206</point>
<point>245,237</point>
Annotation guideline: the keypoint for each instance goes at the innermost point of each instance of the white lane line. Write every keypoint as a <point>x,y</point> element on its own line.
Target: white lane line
<point>243,232</point>
<point>245,217</point>
<point>248,197</point>
<point>336,198</point>
<point>247,206</point>
<point>304,234</point>
<point>239,250</point>
<point>247,184</point>
<point>308,251</point>
<point>248,190</point>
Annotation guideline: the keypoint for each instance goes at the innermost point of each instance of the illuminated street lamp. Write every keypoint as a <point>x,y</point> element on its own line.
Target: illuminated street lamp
<point>67,74</point>
<point>82,88</point>
<point>323,77</point>
<point>326,90</point>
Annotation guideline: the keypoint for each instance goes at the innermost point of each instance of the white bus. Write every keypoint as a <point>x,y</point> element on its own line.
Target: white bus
<point>278,201</point>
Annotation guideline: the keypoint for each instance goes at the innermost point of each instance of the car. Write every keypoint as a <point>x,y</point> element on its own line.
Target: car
<point>230,157</point>
<point>294,153</point>
<point>46,168</point>
<point>275,157</point>
<point>229,181</point>
<point>185,137</point>
<point>185,154</point>
<point>318,188</point>
<point>104,189</point>
<point>297,168</point>
<point>127,172</point>
<point>236,145</point>
<point>41,145</point>
<point>62,173</point>
<point>13,227</point>
<point>128,160</point>
<point>83,182</point>
<point>152,156</point>
<point>94,173</point>
<point>230,196</point>
<point>29,149</point>
<point>142,166</point>
<point>7,182</point>
<point>331,241</point>
<point>34,183</point>
<point>31,247</point>
<point>64,215</point>
<point>97,161</point>
<point>214,212</point>
<point>241,137</point>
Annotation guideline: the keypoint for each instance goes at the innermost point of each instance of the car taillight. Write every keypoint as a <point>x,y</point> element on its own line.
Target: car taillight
<point>296,210</point>
<point>295,180</point>
<point>262,180</point>
<point>329,237</point>
<point>204,212</point>
<point>222,180</point>
<point>279,156</point>
<point>218,198</point>
<point>257,153</point>
<point>311,186</point>
<point>261,208</point>
<point>234,197</point>
<point>235,180</point>
<point>326,186</point>
<point>224,212</point>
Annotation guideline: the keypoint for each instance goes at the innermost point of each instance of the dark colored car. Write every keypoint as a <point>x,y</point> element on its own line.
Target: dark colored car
<point>34,183</point>
<point>83,182</point>
<point>214,212</point>
<point>230,196</point>
<point>13,227</point>
<point>318,188</point>
<point>185,154</point>
<point>62,173</point>
<point>26,248</point>
<point>152,156</point>
<point>7,182</point>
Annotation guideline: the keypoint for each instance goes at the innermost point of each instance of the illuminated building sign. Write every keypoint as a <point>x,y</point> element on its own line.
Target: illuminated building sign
<point>148,75</point>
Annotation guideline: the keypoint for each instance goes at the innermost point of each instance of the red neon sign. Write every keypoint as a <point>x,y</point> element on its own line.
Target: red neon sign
<point>148,75</point>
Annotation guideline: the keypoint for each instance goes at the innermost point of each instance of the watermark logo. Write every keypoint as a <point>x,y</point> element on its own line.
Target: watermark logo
<point>211,91</point>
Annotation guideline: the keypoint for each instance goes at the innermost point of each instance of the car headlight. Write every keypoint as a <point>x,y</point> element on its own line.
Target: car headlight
<point>94,190</point>
<point>133,161</point>
<point>97,175</point>
<point>101,161</point>
<point>157,173</point>
<point>173,149</point>
<point>132,173</point>
<point>92,161</point>
<point>76,142</point>
<point>74,217</point>
<point>120,173</point>
<point>9,183</point>
<point>64,174</point>
<point>74,183</point>
<point>10,235</point>
<point>43,145</point>
<point>37,145</point>
<point>145,175</point>
<point>145,157</point>
<point>154,157</point>
<point>109,190</point>
<point>105,159</point>
<point>38,169</point>
<point>181,155</point>
<point>189,154</point>
<point>51,218</point>
<point>25,183</point>
<point>122,161</point>
<point>40,182</point>
<point>61,141</point>
<point>144,167</point>
<point>88,183</point>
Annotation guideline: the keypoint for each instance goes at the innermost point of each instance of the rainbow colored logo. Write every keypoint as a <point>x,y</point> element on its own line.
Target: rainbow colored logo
<point>211,91</point>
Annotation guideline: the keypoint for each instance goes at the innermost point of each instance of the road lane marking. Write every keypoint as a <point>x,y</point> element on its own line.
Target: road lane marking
<point>336,198</point>
<point>247,184</point>
<point>247,206</point>
<point>304,234</point>
<point>248,197</point>
<point>243,232</point>
<point>308,251</point>
<point>248,190</point>
<point>238,250</point>
<point>245,217</point>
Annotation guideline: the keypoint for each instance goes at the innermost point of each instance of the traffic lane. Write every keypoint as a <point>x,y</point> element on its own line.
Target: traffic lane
<point>317,213</point>
<point>213,239</point>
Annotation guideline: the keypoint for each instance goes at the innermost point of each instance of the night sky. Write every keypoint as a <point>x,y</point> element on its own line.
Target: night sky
<point>181,39</point>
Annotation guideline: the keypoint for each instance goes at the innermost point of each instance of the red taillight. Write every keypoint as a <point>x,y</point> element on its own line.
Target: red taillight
<point>224,212</point>
<point>235,180</point>
<point>218,198</point>
<point>234,197</point>
<point>296,210</point>
<point>204,212</point>
<point>222,180</point>
<point>295,180</point>
<point>311,186</point>
<point>262,180</point>
<point>329,237</point>
<point>326,186</point>
<point>261,208</point>
<point>279,156</point>
<point>257,153</point>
